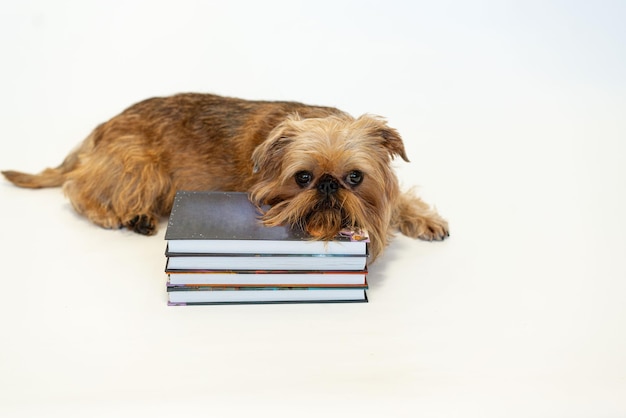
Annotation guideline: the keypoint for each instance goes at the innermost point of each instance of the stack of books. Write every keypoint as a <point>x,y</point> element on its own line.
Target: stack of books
<point>218,252</point>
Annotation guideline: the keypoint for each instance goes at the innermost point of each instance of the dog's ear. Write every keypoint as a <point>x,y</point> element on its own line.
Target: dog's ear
<point>393,142</point>
<point>390,138</point>
<point>267,155</point>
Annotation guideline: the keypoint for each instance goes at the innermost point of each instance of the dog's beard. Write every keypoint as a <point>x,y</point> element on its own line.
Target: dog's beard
<point>322,218</point>
<point>330,215</point>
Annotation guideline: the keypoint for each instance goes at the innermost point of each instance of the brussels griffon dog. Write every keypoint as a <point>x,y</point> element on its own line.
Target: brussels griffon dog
<point>318,168</point>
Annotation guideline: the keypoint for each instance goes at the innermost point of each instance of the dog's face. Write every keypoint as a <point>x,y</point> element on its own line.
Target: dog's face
<point>330,173</point>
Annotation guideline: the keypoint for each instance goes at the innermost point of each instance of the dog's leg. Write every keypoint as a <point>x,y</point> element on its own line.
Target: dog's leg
<point>118,188</point>
<point>416,219</point>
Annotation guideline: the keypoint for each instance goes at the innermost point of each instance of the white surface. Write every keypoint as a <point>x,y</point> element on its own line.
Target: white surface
<point>513,114</point>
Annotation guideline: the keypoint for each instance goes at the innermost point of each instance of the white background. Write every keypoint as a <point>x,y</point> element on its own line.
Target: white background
<point>514,117</point>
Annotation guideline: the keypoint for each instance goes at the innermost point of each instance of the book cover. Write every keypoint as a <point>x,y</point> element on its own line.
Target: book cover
<point>228,223</point>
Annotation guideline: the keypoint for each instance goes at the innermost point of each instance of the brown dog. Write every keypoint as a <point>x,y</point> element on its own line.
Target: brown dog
<point>318,167</point>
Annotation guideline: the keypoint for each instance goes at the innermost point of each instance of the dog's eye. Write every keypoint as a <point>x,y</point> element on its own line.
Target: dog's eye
<point>303,178</point>
<point>354,178</point>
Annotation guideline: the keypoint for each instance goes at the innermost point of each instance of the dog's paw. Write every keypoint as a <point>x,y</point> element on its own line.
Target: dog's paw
<point>428,228</point>
<point>142,224</point>
<point>434,229</point>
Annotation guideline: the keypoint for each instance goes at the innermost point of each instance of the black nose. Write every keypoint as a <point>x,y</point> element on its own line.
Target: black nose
<point>327,185</point>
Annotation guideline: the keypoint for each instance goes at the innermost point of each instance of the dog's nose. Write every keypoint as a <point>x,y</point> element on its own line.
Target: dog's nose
<point>328,185</point>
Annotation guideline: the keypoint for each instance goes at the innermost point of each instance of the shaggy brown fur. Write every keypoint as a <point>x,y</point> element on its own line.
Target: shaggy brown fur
<point>318,167</point>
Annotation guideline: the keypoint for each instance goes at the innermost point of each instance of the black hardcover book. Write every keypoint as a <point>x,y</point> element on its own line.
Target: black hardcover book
<point>227,223</point>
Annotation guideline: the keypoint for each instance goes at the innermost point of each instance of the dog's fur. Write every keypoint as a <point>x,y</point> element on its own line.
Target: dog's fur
<point>318,167</point>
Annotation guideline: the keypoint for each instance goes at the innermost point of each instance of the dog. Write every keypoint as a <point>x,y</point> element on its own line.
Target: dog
<point>318,168</point>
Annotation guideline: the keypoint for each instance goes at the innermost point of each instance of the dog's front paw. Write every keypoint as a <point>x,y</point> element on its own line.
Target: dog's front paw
<point>142,224</point>
<point>431,227</point>
<point>415,219</point>
<point>434,228</point>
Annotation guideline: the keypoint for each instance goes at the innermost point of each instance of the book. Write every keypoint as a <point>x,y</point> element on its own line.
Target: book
<point>265,278</point>
<point>228,223</point>
<point>265,262</point>
<point>185,296</point>
<point>245,287</point>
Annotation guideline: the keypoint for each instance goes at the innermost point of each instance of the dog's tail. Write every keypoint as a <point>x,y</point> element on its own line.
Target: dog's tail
<point>50,177</point>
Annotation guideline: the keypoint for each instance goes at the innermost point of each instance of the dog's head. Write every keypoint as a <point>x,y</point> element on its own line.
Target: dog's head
<point>326,174</point>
